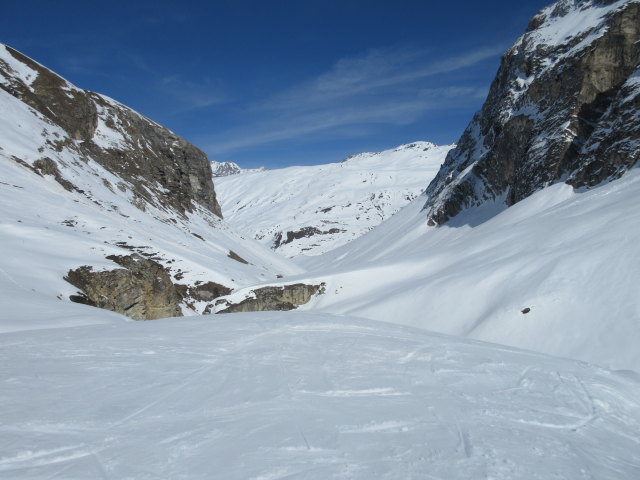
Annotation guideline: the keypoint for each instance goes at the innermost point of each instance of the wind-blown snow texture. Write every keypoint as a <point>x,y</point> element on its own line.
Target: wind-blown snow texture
<point>311,210</point>
<point>572,258</point>
<point>291,395</point>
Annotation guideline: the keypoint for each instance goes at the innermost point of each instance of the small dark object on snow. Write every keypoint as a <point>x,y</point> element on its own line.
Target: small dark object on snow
<point>526,310</point>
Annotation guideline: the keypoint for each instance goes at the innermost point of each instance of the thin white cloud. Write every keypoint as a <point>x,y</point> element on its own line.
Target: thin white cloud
<point>382,86</point>
<point>188,94</point>
<point>394,112</point>
<point>191,95</point>
<point>372,73</point>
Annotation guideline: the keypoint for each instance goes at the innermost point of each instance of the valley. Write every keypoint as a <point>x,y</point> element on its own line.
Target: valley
<point>426,311</point>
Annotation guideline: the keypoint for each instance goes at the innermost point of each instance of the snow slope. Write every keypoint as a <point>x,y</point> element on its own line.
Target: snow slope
<point>46,230</point>
<point>293,395</point>
<point>572,258</point>
<point>311,210</point>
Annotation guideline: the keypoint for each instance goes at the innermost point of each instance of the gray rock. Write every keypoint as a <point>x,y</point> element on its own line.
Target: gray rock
<point>277,298</point>
<point>557,111</point>
<point>159,166</point>
<point>141,290</point>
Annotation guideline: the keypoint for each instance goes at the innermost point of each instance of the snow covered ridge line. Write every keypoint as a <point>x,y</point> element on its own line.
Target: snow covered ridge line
<point>312,210</point>
<point>562,108</point>
<point>224,169</point>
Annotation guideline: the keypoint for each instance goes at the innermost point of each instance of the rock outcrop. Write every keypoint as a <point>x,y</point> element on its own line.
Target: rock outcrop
<point>141,290</point>
<point>563,107</point>
<point>276,298</point>
<point>224,169</point>
<point>304,232</point>
<point>160,167</point>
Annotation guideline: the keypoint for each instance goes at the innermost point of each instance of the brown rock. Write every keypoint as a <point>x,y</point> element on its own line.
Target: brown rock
<point>141,290</point>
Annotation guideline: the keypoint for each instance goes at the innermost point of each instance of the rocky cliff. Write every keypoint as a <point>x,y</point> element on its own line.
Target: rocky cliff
<point>163,168</point>
<point>102,206</point>
<point>563,107</point>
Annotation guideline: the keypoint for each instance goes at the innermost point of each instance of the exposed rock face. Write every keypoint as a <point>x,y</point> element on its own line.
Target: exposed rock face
<point>141,290</point>
<point>206,292</point>
<point>304,232</point>
<point>234,256</point>
<point>280,298</point>
<point>161,167</point>
<point>224,169</point>
<point>563,107</point>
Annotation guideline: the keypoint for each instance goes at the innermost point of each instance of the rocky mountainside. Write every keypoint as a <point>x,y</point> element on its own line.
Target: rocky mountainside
<point>174,173</point>
<point>102,206</point>
<point>311,210</point>
<point>563,107</point>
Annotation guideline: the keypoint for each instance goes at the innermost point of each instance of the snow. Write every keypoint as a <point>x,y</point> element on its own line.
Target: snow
<point>294,395</point>
<point>105,136</point>
<point>571,257</point>
<point>350,197</point>
<point>564,21</point>
<point>223,169</point>
<point>569,23</point>
<point>347,386</point>
<point>45,230</point>
<point>17,69</point>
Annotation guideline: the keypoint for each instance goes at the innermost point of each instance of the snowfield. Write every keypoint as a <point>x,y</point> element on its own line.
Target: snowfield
<point>571,258</point>
<point>333,203</point>
<point>314,396</point>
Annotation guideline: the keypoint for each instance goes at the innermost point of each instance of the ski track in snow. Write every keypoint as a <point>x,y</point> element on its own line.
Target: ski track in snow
<point>295,395</point>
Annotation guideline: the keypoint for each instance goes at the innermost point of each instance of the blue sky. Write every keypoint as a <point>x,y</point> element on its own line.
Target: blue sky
<point>279,83</point>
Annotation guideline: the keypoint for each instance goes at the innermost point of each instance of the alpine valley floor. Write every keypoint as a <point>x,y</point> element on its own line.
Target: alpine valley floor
<point>299,395</point>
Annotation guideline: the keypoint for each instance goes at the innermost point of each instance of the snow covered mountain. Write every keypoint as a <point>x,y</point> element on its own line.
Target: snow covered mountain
<point>556,271</point>
<point>122,208</point>
<point>224,169</point>
<point>563,107</point>
<point>311,210</point>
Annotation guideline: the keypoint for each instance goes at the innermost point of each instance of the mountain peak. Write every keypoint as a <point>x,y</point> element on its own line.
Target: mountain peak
<point>561,108</point>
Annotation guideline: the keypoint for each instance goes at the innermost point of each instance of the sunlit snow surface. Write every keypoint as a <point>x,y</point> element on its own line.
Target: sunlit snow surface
<point>294,395</point>
<point>45,230</point>
<point>342,201</point>
<point>572,258</point>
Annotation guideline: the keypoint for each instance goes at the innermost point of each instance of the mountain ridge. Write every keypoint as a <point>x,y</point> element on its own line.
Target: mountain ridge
<point>311,210</point>
<point>551,112</point>
<point>127,207</point>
